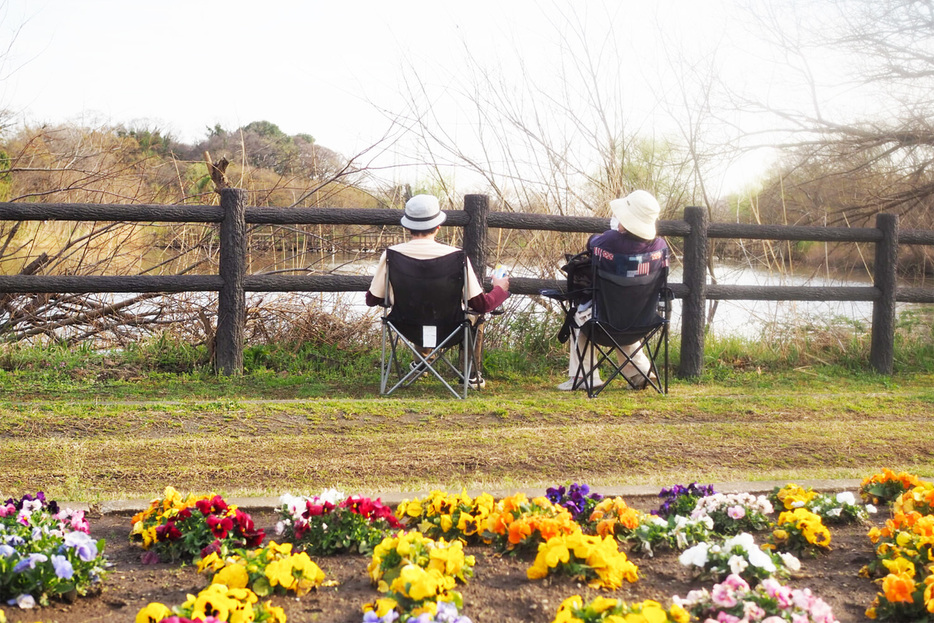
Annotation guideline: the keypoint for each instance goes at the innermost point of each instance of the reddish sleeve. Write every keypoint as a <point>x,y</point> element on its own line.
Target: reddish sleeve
<point>485,303</point>
<point>373,301</point>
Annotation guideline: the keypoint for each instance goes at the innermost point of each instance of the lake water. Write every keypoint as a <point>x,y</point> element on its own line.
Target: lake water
<point>749,319</point>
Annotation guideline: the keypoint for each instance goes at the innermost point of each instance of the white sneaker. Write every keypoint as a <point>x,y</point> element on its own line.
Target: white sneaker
<point>568,385</point>
<point>476,382</point>
<point>419,367</point>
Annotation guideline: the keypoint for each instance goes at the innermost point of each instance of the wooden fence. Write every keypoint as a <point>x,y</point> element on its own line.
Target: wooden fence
<point>232,282</point>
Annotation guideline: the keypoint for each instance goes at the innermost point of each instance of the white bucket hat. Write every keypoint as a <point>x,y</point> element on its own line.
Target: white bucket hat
<point>422,212</point>
<point>637,213</point>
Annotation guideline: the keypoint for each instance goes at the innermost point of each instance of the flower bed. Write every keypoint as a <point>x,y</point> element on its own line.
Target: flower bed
<point>429,575</point>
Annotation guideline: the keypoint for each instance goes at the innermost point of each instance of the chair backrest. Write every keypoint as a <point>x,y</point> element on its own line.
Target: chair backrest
<point>626,293</point>
<point>427,293</point>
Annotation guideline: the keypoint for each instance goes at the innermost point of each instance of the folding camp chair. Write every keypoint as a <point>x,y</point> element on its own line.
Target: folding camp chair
<point>631,306</point>
<point>424,321</point>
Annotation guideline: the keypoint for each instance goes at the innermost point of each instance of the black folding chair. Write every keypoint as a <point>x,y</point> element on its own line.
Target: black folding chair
<point>631,306</point>
<point>425,320</point>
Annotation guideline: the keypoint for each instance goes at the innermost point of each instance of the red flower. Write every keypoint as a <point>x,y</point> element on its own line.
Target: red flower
<point>246,528</point>
<point>213,548</point>
<point>214,505</point>
<point>168,532</point>
<point>313,510</point>
<point>371,509</point>
<point>220,526</point>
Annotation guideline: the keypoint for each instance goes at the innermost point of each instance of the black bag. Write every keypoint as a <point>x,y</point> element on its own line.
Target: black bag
<point>579,271</point>
<point>580,276</point>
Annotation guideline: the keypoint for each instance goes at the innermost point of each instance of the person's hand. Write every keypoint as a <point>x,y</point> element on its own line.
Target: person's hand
<point>502,282</point>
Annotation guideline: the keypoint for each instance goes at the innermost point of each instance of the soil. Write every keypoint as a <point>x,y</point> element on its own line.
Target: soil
<point>499,592</point>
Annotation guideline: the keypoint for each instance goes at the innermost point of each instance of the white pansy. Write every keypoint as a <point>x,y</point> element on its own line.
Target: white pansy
<point>790,561</point>
<point>681,541</point>
<point>846,497</point>
<point>695,556</point>
<point>24,601</point>
<point>737,564</point>
<point>743,539</point>
<point>294,504</point>
<point>331,495</point>
<point>758,558</point>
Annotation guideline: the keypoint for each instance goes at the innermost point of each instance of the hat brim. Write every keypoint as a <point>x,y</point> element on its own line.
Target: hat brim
<point>630,221</point>
<point>419,225</point>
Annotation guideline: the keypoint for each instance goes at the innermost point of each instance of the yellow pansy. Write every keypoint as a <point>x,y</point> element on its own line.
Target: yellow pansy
<point>653,612</point>
<point>538,570</point>
<point>601,604</point>
<point>467,524</point>
<point>212,562</point>
<point>381,606</point>
<point>417,583</point>
<point>279,573</point>
<point>241,612</point>
<point>149,537</point>
<point>233,575</point>
<point>566,610</point>
<point>412,508</point>
<point>283,549</point>
<point>679,614</point>
<point>276,614</point>
<point>153,613</point>
<point>900,565</point>
<point>212,602</point>
<point>308,569</point>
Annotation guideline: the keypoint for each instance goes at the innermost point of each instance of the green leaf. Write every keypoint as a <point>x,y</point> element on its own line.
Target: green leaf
<point>262,587</point>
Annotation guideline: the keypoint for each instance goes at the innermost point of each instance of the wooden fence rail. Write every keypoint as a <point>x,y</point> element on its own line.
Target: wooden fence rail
<point>476,219</point>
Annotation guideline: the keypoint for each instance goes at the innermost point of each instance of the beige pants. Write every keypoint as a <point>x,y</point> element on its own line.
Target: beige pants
<point>580,343</point>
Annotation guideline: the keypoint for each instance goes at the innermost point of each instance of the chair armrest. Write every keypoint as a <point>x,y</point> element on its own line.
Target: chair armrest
<point>558,295</point>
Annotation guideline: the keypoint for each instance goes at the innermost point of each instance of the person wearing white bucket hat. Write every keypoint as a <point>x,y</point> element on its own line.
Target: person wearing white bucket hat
<point>632,232</point>
<point>422,218</point>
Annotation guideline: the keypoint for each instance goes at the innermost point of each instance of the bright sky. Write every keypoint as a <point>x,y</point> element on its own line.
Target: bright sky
<point>324,68</point>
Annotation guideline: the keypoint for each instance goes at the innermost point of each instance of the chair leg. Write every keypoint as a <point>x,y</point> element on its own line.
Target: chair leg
<point>384,365</point>
<point>626,355</point>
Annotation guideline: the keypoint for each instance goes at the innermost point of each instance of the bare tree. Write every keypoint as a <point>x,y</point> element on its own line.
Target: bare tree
<point>865,144</point>
<point>564,139</point>
<point>115,165</point>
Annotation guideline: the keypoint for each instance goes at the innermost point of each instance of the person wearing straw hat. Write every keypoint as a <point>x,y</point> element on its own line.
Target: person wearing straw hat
<point>632,231</point>
<point>422,218</point>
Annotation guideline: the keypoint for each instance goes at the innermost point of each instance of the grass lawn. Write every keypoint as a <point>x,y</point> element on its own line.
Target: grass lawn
<point>92,437</point>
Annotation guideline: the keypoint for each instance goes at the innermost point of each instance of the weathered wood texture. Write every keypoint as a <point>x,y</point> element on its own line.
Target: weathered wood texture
<point>882,355</point>
<point>231,283</point>
<point>477,208</point>
<point>694,277</point>
<point>231,303</point>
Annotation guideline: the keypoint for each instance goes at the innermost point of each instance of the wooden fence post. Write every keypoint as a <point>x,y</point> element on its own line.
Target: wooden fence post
<point>693,304</point>
<point>477,208</point>
<point>231,300</point>
<point>882,352</point>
